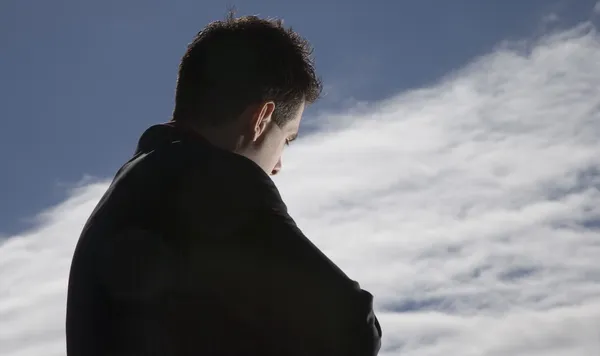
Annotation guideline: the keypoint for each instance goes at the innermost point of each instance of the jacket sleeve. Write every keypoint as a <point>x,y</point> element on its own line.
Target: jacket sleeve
<point>270,276</point>
<point>308,294</point>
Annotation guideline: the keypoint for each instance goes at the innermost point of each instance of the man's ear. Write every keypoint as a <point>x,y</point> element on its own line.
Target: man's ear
<point>261,118</point>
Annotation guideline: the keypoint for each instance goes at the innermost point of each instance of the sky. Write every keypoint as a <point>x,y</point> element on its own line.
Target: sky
<point>452,167</point>
<point>80,80</point>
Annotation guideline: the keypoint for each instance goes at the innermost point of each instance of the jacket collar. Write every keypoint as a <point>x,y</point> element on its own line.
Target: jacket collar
<point>166,133</point>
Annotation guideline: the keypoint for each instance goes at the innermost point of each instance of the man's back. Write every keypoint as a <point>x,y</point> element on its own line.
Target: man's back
<point>191,251</point>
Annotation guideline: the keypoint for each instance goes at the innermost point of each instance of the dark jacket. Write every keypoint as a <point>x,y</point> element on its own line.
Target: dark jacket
<point>191,251</point>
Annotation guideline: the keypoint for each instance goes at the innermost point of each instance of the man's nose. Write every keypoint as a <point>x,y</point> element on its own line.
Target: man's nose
<point>277,168</point>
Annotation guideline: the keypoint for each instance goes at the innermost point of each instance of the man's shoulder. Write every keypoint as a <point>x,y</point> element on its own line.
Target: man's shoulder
<point>227,184</point>
<point>194,172</point>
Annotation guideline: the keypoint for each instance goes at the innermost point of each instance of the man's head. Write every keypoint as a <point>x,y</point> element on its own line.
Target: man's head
<point>243,83</point>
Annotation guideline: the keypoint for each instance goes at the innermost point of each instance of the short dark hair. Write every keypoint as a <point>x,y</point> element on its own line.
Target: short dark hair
<point>237,62</point>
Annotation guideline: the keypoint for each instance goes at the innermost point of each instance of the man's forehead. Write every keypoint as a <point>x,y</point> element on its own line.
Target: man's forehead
<point>293,126</point>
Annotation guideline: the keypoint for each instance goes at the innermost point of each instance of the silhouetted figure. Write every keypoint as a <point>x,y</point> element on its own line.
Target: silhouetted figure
<point>191,250</point>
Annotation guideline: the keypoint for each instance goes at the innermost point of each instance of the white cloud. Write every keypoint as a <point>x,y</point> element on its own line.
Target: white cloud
<point>597,8</point>
<point>471,209</point>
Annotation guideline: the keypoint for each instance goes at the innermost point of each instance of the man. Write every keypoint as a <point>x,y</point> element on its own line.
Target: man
<point>191,250</point>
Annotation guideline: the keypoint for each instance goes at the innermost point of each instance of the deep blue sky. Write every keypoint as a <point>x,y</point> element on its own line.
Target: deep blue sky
<point>81,79</point>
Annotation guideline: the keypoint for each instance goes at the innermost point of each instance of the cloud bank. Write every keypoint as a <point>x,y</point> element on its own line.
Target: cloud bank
<point>471,209</point>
